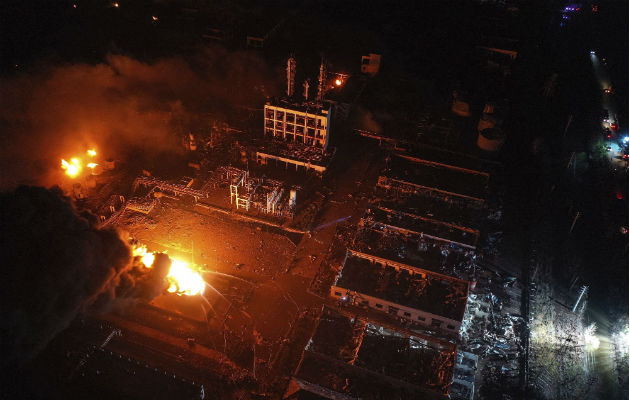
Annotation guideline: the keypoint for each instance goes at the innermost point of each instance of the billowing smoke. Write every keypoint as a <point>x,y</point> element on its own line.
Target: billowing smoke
<point>135,282</point>
<point>56,264</point>
<point>365,120</point>
<point>118,105</point>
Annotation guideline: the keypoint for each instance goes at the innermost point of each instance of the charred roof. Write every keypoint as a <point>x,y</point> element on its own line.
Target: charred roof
<point>410,287</point>
<point>359,358</point>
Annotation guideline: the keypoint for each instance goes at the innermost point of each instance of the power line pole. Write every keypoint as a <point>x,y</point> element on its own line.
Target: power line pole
<point>571,159</point>
<point>577,215</point>
<point>566,128</point>
<point>582,292</point>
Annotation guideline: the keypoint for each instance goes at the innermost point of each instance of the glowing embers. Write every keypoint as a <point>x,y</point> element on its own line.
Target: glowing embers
<point>182,278</point>
<point>74,167</point>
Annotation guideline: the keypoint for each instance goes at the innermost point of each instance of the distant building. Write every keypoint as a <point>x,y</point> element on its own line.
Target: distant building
<point>260,31</point>
<point>407,223</point>
<point>216,34</point>
<point>124,377</point>
<point>307,123</point>
<point>371,64</point>
<point>499,53</point>
<point>411,174</point>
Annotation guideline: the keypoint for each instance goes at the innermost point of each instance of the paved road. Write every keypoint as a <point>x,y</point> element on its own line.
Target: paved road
<point>347,200</point>
<point>600,68</point>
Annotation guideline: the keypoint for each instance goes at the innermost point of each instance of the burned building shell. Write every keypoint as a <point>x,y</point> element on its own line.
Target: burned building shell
<point>434,300</point>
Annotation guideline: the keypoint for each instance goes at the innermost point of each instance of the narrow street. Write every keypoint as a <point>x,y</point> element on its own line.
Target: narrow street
<point>588,192</point>
<point>568,200</point>
<point>613,138</point>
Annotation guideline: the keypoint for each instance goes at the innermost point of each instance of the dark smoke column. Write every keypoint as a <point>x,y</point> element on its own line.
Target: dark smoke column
<point>54,264</point>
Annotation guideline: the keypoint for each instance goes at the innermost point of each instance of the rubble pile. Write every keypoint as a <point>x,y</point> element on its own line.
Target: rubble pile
<point>296,151</point>
<point>493,331</point>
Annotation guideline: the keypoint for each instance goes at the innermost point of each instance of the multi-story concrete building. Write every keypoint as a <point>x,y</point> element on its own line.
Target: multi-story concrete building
<point>307,123</point>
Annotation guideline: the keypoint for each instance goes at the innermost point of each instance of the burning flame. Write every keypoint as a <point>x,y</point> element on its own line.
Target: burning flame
<point>183,279</point>
<point>147,258</point>
<point>338,82</point>
<point>72,168</point>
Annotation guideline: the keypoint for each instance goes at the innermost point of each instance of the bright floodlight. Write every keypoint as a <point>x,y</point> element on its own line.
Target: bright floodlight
<point>621,341</point>
<point>625,140</point>
<point>590,340</point>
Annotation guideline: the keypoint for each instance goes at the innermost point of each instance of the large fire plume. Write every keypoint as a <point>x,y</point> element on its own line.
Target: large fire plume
<point>182,278</point>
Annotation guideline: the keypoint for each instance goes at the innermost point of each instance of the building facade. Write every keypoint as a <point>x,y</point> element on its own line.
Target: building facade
<point>309,125</point>
<point>371,64</point>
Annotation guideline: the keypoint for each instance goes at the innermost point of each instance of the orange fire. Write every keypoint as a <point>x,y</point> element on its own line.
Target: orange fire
<point>72,168</point>
<point>147,258</point>
<point>182,278</point>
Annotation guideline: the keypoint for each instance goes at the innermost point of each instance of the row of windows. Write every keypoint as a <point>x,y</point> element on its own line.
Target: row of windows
<point>298,138</point>
<point>293,119</point>
<point>297,129</point>
<point>310,134</point>
<point>434,322</point>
